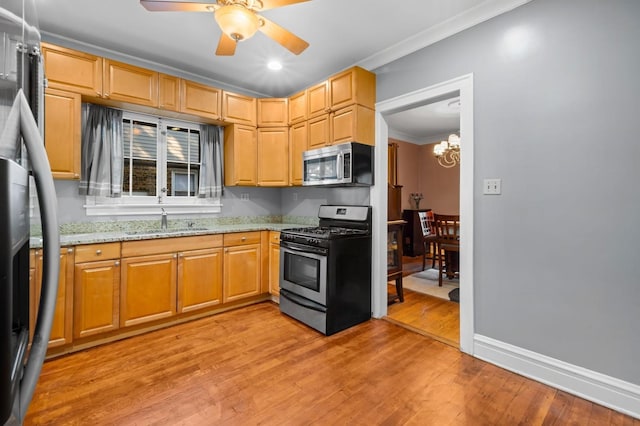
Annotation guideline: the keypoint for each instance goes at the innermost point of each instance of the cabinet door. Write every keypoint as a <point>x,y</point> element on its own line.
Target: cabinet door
<point>274,263</point>
<point>201,100</point>
<point>354,123</point>
<point>168,92</point>
<point>62,132</point>
<point>62,326</point>
<point>96,297</point>
<point>273,156</point>
<point>238,109</point>
<point>298,107</point>
<point>123,82</point>
<point>354,86</point>
<point>148,288</point>
<point>241,272</point>
<point>297,145</point>
<point>273,112</point>
<point>199,279</point>
<point>69,69</point>
<point>319,134</point>
<point>318,100</point>
<point>240,155</point>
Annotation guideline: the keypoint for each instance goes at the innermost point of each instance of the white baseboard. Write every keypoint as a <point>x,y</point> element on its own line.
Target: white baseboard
<point>593,386</point>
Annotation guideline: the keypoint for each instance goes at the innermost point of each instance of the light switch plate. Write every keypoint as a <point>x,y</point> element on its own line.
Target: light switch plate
<point>492,187</point>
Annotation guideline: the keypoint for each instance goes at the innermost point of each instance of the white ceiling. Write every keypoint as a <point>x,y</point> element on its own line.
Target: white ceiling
<point>341,34</point>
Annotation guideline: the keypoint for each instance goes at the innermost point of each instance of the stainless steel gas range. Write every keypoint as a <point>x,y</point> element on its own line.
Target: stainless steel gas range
<point>325,272</point>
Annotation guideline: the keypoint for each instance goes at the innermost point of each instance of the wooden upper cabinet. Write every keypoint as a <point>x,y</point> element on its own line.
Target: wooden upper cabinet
<point>168,92</point>
<point>273,112</point>
<point>238,109</point>
<point>62,132</point>
<point>127,83</point>
<point>354,86</point>
<point>273,156</point>
<point>240,155</point>
<point>318,100</point>
<point>298,107</point>
<point>200,99</point>
<point>319,134</point>
<point>354,123</point>
<point>297,145</point>
<point>71,70</point>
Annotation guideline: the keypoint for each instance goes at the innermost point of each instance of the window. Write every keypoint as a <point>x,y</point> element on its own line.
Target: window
<point>161,165</point>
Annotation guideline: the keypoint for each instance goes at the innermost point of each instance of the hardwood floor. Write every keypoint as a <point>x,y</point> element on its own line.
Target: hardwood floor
<point>257,366</point>
<point>424,314</point>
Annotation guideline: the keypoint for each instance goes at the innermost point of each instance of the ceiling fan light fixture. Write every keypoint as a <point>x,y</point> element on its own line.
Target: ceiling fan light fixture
<point>237,21</point>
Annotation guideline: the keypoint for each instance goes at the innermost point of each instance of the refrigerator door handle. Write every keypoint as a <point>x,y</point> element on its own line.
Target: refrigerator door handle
<point>50,247</point>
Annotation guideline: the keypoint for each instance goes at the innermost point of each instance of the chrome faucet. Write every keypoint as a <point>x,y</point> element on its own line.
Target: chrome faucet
<point>163,220</point>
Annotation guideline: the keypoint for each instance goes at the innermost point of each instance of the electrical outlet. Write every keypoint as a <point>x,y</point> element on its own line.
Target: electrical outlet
<point>244,196</point>
<point>492,187</point>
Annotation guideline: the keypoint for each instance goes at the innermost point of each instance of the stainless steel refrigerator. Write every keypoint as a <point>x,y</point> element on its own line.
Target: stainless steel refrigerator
<point>22,154</point>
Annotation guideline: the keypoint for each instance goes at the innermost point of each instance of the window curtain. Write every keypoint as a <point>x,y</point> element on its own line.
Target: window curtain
<point>210,185</point>
<point>102,160</point>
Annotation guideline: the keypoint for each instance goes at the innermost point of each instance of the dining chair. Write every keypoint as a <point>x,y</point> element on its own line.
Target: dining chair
<point>428,238</point>
<point>448,241</point>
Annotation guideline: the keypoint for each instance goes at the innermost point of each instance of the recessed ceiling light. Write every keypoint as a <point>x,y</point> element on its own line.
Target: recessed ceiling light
<point>274,66</point>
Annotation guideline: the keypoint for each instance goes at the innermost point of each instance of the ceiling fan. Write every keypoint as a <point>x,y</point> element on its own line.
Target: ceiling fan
<point>238,20</point>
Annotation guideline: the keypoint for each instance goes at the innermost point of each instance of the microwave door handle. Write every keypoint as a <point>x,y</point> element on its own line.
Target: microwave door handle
<point>340,166</point>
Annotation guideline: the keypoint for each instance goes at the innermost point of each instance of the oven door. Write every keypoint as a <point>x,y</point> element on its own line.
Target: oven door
<point>303,271</point>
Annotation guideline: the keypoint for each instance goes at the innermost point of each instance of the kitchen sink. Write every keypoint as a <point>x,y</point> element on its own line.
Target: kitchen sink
<point>164,231</point>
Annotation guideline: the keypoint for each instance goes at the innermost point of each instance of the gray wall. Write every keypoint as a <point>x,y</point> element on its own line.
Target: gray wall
<point>556,116</point>
<point>295,201</point>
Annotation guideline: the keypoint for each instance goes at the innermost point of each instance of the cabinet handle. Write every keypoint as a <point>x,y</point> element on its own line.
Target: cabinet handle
<point>98,252</point>
<point>117,263</point>
<point>99,94</point>
<point>175,256</point>
<point>180,255</point>
<point>243,238</point>
<point>69,250</point>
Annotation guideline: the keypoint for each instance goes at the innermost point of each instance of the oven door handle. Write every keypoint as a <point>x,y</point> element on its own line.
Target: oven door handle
<point>303,249</point>
<point>302,301</point>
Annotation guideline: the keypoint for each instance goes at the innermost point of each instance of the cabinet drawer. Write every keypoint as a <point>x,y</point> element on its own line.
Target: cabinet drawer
<point>95,252</point>
<point>241,238</point>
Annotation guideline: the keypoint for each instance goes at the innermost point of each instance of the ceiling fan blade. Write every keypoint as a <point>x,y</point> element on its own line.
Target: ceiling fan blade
<point>272,4</point>
<point>177,6</point>
<point>286,38</point>
<point>226,46</point>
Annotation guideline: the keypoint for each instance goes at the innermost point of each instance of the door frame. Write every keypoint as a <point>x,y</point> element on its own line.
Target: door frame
<point>464,86</point>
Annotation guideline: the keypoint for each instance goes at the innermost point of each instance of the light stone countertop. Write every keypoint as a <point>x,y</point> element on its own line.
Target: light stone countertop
<point>147,234</point>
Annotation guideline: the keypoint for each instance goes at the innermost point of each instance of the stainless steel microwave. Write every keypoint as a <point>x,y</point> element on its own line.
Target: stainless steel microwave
<point>346,164</point>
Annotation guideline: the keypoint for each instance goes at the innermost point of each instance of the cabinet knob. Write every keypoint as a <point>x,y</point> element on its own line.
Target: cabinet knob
<point>69,250</point>
<point>98,252</point>
<point>244,238</point>
<point>180,255</point>
<point>175,256</point>
<point>117,263</point>
<point>99,94</point>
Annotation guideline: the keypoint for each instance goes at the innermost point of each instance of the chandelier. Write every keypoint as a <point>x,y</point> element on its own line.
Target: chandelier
<point>448,152</point>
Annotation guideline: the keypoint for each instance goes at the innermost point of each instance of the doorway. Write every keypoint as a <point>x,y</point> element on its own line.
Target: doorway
<point>464,86</point>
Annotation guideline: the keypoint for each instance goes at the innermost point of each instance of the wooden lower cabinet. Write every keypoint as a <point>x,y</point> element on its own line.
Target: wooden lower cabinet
<point>242,267</point>
<point>96,298</point>
<point>62,326</point>
<point>199,279</point>
<point>274,263</point>
<point>148,288</point>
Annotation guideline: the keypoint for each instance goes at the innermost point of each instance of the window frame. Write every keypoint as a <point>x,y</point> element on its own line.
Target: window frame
<point>152,204</point>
